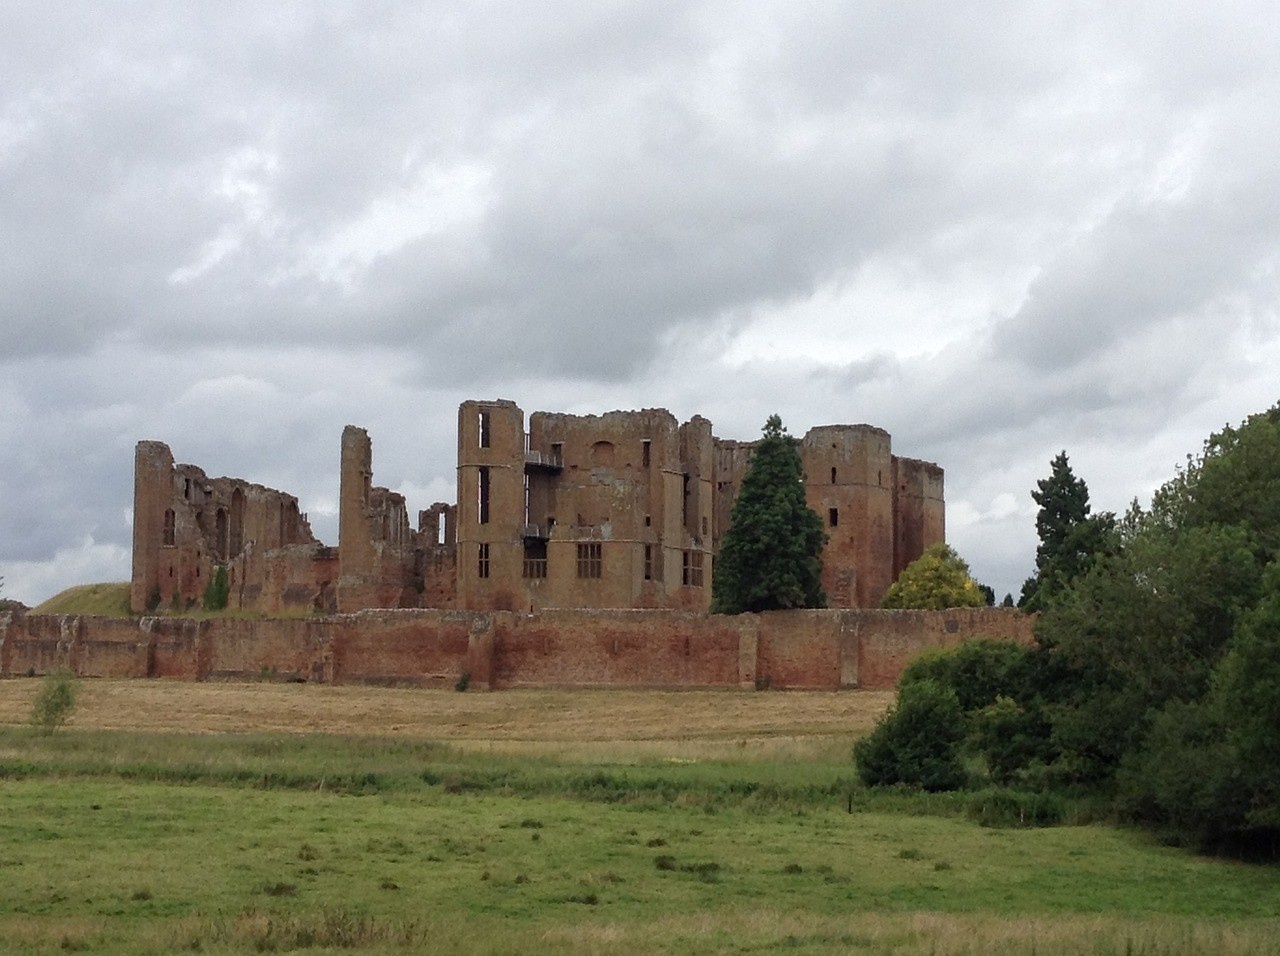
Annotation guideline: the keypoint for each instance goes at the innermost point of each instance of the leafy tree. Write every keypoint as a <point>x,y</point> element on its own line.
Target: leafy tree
<point>54,702</point>
<point>1070,538</point>
<point>218,591</point>
<point>937,579</point>
<point>771,557</point>
<point>917,742</point>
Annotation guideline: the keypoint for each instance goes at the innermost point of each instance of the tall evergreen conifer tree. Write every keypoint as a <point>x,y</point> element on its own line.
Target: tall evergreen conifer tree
<point>771,558</point>
<point>1070,538</point>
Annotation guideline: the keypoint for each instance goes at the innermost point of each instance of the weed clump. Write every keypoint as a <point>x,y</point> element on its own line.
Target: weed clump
<point>54,702</point>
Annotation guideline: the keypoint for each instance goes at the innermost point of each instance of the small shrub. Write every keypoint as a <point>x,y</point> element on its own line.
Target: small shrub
<point>917,742</point>
<point>910,853</point>
<point>587,899</point>
<point>656,841</point>
<point>141,896</point>
<point>218,591</point>
<point>793,868</point>
<point>54,702</point>
<point>665,862</point>
<point>464,681</point>
<point>281,889</point>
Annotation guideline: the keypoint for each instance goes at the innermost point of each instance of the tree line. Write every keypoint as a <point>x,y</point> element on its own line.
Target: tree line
<point>1153,685</point>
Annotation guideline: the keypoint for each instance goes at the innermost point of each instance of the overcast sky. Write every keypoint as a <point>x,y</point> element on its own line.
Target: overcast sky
<point>997,230</point>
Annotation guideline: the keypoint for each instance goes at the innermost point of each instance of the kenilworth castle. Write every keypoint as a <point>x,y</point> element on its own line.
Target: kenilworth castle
<point>620,510</point>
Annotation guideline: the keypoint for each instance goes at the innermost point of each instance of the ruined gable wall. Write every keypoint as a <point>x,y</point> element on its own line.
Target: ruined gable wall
<point>186,524</point>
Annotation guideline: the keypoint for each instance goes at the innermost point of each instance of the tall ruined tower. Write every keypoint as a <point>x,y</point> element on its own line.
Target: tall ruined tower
<point>849,475</point>
<point>357,558</point>
<point>153,520</point>
<point>491,504</point>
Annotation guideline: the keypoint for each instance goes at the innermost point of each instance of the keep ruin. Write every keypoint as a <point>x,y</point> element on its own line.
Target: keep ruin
<point>621,510</point>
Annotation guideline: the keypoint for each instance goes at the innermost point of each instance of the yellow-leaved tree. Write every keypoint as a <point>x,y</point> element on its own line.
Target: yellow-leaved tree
<point>937,579</point>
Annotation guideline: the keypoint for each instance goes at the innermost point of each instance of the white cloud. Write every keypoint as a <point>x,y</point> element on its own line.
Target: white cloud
<point>997,232</point>
<point>87,562</point>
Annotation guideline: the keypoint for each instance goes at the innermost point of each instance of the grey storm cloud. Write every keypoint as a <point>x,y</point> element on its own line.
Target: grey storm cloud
<point>994,230</point>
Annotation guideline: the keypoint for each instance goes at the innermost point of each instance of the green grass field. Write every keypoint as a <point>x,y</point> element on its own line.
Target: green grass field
<point>105,600</point>
<point>131,841</point>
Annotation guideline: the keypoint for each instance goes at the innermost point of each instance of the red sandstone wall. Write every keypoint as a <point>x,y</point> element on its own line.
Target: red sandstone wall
<point>280,648</point>
<point>615,648</point>
<point>799,649</point>
<point>606,648</point>
<point>424,648</point>
<point>889,640</point>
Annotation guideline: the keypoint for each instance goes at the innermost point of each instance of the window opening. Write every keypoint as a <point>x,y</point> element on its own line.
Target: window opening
<point>482,560</point>
<point>186,488</point>
<point>691,571</point>
<point>170,523</point>
<point>483,508</point>
<point>648,562</point>
<point>484,429</point>
<point>535,560</point>
<point>590,559</point>
<point>644,453</point>
<point>833,516</point>
<point>833,476</point>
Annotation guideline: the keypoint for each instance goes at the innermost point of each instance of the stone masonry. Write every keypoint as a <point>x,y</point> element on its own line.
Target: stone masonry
<point>620,510</point>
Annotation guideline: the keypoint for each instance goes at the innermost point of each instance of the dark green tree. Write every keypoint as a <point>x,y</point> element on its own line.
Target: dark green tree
<point>218,591</point>
<point>771,558</point>
<point>1070,538</point>
<point>918,742</point>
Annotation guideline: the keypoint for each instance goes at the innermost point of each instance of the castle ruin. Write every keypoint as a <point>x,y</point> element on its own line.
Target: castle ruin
<point>619,510</point>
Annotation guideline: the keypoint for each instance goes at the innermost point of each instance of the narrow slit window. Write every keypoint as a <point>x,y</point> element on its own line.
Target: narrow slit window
<point>648,562</point>
<point>833,516</point>
<point>833,476</point>
<point>170,526</point>
<point>484,429</point>
<point>644,453</point>
<point>482,560</point>
<point>483,506</point>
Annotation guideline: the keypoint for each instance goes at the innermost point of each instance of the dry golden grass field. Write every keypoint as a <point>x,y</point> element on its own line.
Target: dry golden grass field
<point>565,724</point>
